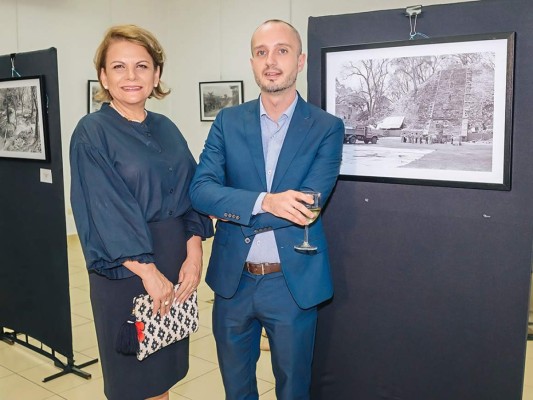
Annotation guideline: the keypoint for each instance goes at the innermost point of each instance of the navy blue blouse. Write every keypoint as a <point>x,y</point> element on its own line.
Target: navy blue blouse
<point>126,174</point>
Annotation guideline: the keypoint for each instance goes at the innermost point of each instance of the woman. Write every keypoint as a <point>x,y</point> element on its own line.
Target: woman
<point>131,170</point>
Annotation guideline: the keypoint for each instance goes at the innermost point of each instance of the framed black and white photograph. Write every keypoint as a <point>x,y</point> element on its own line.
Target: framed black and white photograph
<point>428,112</point>
<point>23,118</point>
<point>92,104</point>
<point>214,96</point>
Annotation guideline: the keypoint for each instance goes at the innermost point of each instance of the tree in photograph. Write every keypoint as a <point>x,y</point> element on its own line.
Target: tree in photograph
<point>211,102</point>
<point>467,59</point>
<point>10,105</point>
<point>20,95</point>
<point>35,110</point>
<point>410,73</point>
<point>235,90</point>
<point>8,122</point>
<point>369,77</point>
<point>349,105</point>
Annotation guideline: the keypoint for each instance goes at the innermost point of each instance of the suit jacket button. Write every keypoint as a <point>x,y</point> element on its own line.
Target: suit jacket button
<point>247,240</point>
<point>225,214</point>
<point>237,217</point>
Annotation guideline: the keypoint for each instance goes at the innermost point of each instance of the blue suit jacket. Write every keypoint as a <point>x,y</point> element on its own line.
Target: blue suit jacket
<point>230,177</point>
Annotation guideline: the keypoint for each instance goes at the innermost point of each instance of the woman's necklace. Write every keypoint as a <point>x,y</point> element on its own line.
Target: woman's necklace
<point>123,116</point>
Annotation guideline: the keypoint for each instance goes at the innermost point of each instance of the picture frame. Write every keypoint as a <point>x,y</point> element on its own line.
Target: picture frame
<point>23,122</point>
<point>217,95</point>
<point>93,86</point>
<point>427,112</point>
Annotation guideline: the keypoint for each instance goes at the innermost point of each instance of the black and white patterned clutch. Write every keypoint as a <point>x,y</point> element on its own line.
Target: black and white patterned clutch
<point>145,333</point>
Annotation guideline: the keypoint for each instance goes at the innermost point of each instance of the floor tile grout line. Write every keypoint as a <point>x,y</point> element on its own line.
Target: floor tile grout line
<point>200,358</point>
<point>182,382</point>
<point>88,381</point>
<point>56,392</point>
<point>33,383</point>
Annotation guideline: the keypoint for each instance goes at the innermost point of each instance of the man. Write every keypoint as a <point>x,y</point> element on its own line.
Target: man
<point>257,159</point>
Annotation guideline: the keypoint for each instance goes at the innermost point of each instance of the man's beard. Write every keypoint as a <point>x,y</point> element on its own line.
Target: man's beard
<point>276,87</point>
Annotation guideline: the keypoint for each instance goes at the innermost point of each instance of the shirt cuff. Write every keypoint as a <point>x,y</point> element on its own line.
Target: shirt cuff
<point>258,203</point>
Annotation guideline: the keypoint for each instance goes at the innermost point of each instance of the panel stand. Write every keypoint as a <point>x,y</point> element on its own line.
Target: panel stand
<point>68,368</point>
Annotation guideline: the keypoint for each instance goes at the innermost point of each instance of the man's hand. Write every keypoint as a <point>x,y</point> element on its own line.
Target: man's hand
<point>288,205</point>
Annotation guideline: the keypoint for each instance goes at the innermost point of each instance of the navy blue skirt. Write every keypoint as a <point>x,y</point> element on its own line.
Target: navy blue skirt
<point>124,376</point>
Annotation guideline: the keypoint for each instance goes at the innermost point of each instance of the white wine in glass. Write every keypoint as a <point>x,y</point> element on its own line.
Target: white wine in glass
<point>315,207</point>
<point>316,212</point>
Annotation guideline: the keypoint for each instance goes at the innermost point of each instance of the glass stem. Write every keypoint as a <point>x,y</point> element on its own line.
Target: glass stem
<point>306,235</point>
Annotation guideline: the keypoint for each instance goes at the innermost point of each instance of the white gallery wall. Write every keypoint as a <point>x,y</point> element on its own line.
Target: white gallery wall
<point>205,40</point>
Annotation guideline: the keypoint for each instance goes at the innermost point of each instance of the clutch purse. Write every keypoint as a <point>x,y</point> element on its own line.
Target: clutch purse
<point>144,333</point>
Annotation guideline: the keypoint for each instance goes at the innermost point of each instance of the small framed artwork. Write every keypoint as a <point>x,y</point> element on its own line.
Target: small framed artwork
<point>214,96</point>
<point>427,112</point>
<point>92,104</point>
<point>23,128</point>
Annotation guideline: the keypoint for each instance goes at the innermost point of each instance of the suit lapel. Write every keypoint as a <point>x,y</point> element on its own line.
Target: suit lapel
<point>299,127</point>
<point>252,130</point>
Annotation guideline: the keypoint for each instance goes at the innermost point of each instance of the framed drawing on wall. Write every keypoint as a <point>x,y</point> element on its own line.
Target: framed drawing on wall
<point>92,104</point>
<point>23,128</point>
<point>214,96</point>
<point>427,112</point>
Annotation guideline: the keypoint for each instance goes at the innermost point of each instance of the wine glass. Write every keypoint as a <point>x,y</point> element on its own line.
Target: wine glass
<point>315,207</point>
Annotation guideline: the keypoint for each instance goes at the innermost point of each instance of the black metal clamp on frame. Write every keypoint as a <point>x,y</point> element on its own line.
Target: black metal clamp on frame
<point>13,70</point>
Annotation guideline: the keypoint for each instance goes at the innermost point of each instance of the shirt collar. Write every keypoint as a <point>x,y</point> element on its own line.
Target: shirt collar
<point>288,112</point>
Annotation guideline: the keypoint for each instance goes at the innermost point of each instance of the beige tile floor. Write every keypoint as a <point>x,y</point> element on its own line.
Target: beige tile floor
<point>22,370</point>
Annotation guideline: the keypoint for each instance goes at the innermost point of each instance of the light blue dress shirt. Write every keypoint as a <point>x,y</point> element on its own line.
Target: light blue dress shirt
<point>264,247</point>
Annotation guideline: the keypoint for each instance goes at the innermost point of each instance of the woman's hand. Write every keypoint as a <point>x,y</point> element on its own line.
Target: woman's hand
<point>191,270</point>
<point>160,289</point>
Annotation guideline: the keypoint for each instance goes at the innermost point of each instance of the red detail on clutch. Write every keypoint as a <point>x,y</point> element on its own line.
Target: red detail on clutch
<point>140,328</point>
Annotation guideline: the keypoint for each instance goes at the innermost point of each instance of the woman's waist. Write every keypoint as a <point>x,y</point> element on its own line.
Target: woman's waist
<point>167,226</point>
<point>170,221</point>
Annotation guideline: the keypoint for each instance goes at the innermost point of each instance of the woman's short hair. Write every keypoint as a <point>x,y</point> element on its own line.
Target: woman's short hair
<point>137,35</point>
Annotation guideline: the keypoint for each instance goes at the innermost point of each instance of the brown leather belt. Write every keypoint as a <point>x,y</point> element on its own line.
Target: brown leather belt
<point>262,268</point>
